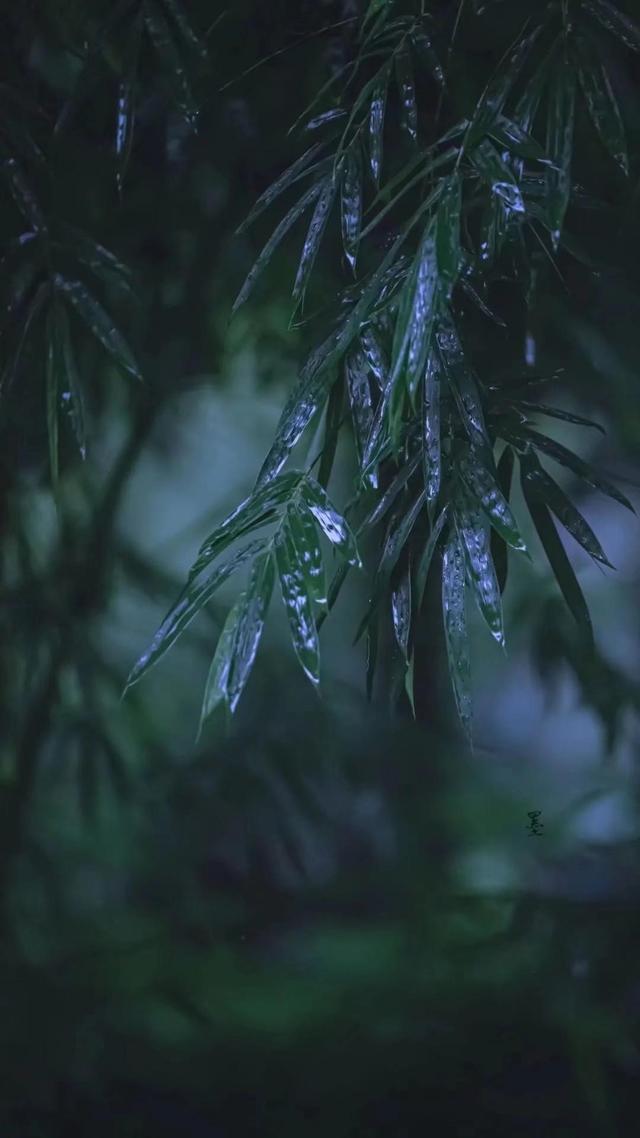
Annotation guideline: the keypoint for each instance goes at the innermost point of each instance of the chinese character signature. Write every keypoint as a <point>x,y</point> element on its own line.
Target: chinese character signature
<point>535,827</point>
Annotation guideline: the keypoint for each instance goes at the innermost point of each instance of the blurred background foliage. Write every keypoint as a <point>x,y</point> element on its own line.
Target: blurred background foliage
<point>328,920</point>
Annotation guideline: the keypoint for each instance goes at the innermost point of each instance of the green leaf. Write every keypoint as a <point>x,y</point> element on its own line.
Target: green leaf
<point>256,510</point>
<point>101,261</point>
<point>512,136</point>
<point>192,599</point>
<point>312,241</point>
<point>305,537</point>
<point>401,613</point>
<point>303,166</point>
<point>23,195</point>
<point>72,397</point>
<point>560,119</point>
<point>297,600</point>
<point>333,422</point>
<point>374,10</point>
<point>602,103</point>
<point>542,486</point>
<point>567,458</point>
<point>499,178</point>
<point>99,322</point>
<point>455,627</point>
<point>431,428</point>
<point>423,309</point>
<point>475,541</point>
<point>499,547</point>
<point>398,533</point>
<point>463,384</point>
<point>407,92</point>
<point>359,392</point>
<point>334,527</point>
<point>351,204</point>
<point>189,36</point>
<point>615,22</point>
<point>126,103</point>
<point>238,642</point>
<point>384,503</point>
<point>448,233</point>
<point>171,60</point>
<point>427,555</point>
<point>376,124</point>
<point>499,87</point>
<point>269,249</point>
<point>559,562</point>
<point>558,413</point>
<point>490,498</point>
<point>375,356</point>
<point>427,55</point>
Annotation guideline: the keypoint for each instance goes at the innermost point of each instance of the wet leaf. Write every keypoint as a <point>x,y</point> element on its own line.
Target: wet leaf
<point>559,562</point>
<point>490,498</point>
<point>498,177</point>
<point>455,627</point>
<point>398,533</point>
<point>297,601</point>
<point>602,103</point>
<point>448,233</point>
<point>401,613</point>
<point>195,595</point>
<point>567,458</point>
<point>333,422</point>
<point>101,261</point>
<point>463,384</point>
<point>376,124</point>
<point>475,541</point>
<point>499,87</point>
<point>325,117</point>
<point>431,428</point>
<point>407,92</point>
<point>375,356</point>
<point>499,547</point>
<point>216,690</point>
<point>303,166</point>
<point>23,195</point>
<point>99,322</point>
<point>269,249</point>
<point>249,624</point>
<point>126,104</point>
<point>385,502</point>
<point>334,527</point>
<point>312,241</point>
<point>304,534</point>
<point>257,510</point>
<point>542,486</point>
<point>427,554</point>
<point>423,309</point>
<point>560,120</point>
<point>359,392</point>
<point>558,413</point>
<point>351,203</point>
<point>171,60</point>
<point>512,136</point>
<point>615,21</point>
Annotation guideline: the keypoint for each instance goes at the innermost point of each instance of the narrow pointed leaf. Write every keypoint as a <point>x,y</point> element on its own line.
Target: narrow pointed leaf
<point>23,195</point>
<point>499,177</point>
<point>401,613</point>
<point>96,257</point>
<point>325,117</point>
<point>257,510</point>
<point>542,486</point>
<point>559,562</point>
<point>99,322</point>
<point>250,623</point>
<point>334,527</point>
<point>171,60</point>
<point>312,241</point>
<point>299,169</point>
<point>217,686</point>
<point>455,627</point>
<point>602,103</point>
<point>513,137</point>
<point>426,556</point>
<point>304,533</point>
<point>72,397</point>
<point>375,356</point>
<point>423,310</point>
<point>190,602</point>
<point>500,85</point>
<point>431,428</point>
<point>333,422</point>
<point>567,458</point>
<point>386,501</point>
<point>297,601</point>
<point>398,533</point>
<point>490,498</point>
<point>126,105</point>
<point>560,122</point>
<point>448,233</point>
<point>463,384</point>
<point>615,21</point>
<point>269,249</point>
<point>360,402</point>
<point>475,541</point>
<point>559,413</point>
<point>499,547</point>
<point>351,205</point>
<point>407,92</point>
<point>376,124</point>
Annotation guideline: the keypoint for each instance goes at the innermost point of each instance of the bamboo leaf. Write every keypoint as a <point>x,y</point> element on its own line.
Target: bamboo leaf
<point>431,428</point>
<point>615,21</point>
<point>427,555</point>
<point>401,613</point>
<point>384,504</point>
<point>499,87</point>
<point>407,92</point>
<point>162,39</point>
<point>423,309</point>
<point>302,166</point>
<point>216,690</point>
<point>559,562</point>
<point>376,124</point>
<point>269,249</point>
<point>448,233</point>
<point>359,392</point>
<point>23,195</point>
<point>305,537</point>
<point>96,257</point>
<point>513,137</point>
<point>312,241</point>
<point>601,102</point>
<point>463,384</point>
<point>455,627</point>
<point>249,625</point>
<point>567,458</point>
<point>558,413</point>
<point>427,55</point>
<point>543,487</point>
<point>334,527</point>
<point>126,104</point>
<point>99,322</point>
<point>333,422</point>
<point>351,203</point>
<point>297,600</point>
<point>72,396</point>
<point>486,491</point>
<point>499,547</point>
<point>193,598</point>
<point>475,541</point>
<point>398,533</point>
<point>560,120</point>
<point>498,177</point>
